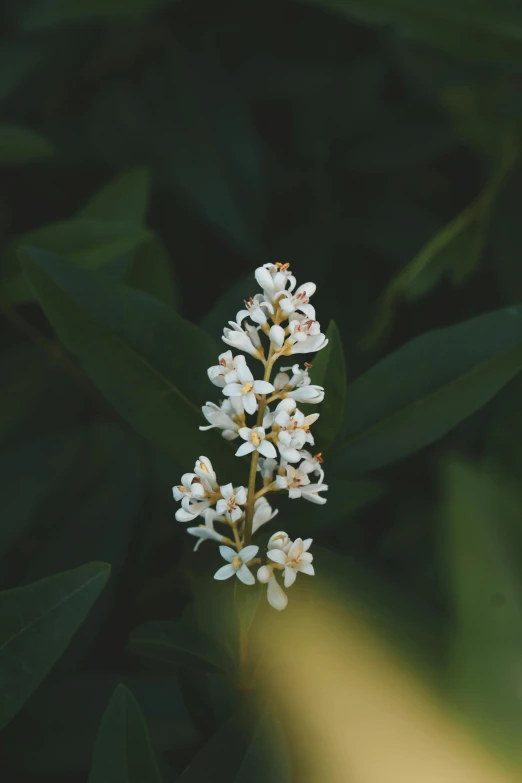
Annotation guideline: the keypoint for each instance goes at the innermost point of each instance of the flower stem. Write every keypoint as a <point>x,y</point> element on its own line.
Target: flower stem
<point>251,498</point>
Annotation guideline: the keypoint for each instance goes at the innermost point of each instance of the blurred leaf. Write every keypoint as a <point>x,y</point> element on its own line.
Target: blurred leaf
<point>123,753</point>
<point>481,516</point>
<point>125,199</point>
<point>329,370</point>
<point>417,394</point>
<point>228,305</point>
<point>453,252</point>
<point>481,31</point>
<point>24,371</point>
<point>19,145</point>
<point>37,623</point>
<point>246,600</point>
<point>17,61</point>
<point>64,715</point>
<point>267,758</point>
<point>224,751</point>
<point>506,236</point>
<point>89,243</point>
<point>150,271</point>
<point>47,13</point>
<point>175,644</point>
<point>148,361</point>
<point>29,473</point>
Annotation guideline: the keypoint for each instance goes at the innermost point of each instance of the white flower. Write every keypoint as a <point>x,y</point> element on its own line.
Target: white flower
<point>298,484</point>
<point>276,596</point>
<point>305,335</point>
<point>294,432</point>
<point>225,372</point>
<point>263,513</point>
<point>192,493</point>
<point>273,279</point>
<point>220,419</point>
<point>255,309</point>
<point>280,540</point>
<point>281,380</point>
<point>311,394</point>
<point>299,300</point>
<point>186,488</point>
<point>300,376</point>
<point>232,501</point>
<point>206,532</point>
<point>255,441</point>
<point>312,464</point>
<point>296,559</point>
<point>236,564</point>
<point>277,336</point>
<point>247,388</point>
<point>267,467</point>
<point>204,471</point>
<point>238,338</point>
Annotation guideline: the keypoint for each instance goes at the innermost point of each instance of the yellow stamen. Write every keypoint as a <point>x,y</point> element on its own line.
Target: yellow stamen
<point>237,563</point>
<point>282,267</point>
<point>256,440</point>
<point>247,388</point>
<point>319,457</point>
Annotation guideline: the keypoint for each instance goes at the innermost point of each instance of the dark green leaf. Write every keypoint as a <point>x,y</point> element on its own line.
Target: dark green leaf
<point>174,644</point>
<point>150,271</point>
<point>267,757</point>
<point>123,753</point>
<point>91,243</point>
<point>148,361</point>
<point>47,13</point>
<point>329,370</point>
<point>228,305</point>
<point>28,475</point>
<point>417,394</point>
<point>19,145</point>
<point>37,623</point>
<point>125,199</point>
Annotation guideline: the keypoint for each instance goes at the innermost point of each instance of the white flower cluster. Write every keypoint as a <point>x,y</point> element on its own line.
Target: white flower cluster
<point>277,440</point>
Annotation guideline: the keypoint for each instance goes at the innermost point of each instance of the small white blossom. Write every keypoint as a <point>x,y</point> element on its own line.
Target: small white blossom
<point>255,441</point>
<point>294,432</point>
<point>281,380</point>
<point>206,532</point>
<point>275,594</point>
<point>274,278</point>
<point>267,467</point>
<point>277,335</point>
<point>263,513</point>
<point>280,540</point>
<point>231,502</point>
<point>312,464</point>
<point>247,388</point>
<point>225,372</point>
<point>206,473</point>
<point>238,338</point>
<point>299,300</point>
<point>236,564</point>
<point>300,375</point>
<point>298,484</point>
<point>220,419</point>
<point>305,335</point>
<point>256,308</point>
<point>263,574</point>
<point>311,394</point>
<point>297,559</point>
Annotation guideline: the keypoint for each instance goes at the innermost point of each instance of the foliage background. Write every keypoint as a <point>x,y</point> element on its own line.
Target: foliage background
<point>169,148</point>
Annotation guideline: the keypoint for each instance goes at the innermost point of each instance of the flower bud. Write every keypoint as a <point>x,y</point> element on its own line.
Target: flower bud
<point>263,574</point>
<point>277,335</point>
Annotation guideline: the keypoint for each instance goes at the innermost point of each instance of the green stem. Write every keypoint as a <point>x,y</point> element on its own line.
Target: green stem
<point>251,497</point>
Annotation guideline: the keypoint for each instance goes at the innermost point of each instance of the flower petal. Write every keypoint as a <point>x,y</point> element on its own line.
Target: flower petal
<point>263,387</point>
<point>233,390</point>
<point>276,595</point>
<point>290,576</point>
<point>225,572</point>
<point>246,554</point>
<point>245,448</point>
<point>267,449</point>
<point>277,555</point>
<point>244,374</point>
<point>227,553</point>
<point>307,569</point>
<point>250,402</point>
<point>245,576</point>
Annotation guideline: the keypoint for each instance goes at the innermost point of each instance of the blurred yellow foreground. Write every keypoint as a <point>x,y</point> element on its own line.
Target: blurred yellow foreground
<point>355,714</point>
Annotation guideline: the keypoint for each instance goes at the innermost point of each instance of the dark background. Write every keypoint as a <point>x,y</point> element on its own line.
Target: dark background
<point>352,140</point>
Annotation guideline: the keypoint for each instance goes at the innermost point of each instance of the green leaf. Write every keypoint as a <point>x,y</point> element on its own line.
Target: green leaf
<point>420,392</point>
<point>123,752</point>
<point>481,31</point>
<point>88,242</point>
<point>228,305</point>
<point>148,361</point>
<point>246,599</point>
<point>454,252</point>
<point>329,370</point>
<point>150,271</point>
<point>267,757</point>
<point>37,623</point>
<point>481,514</point>
<point>125,199</point>
<point>174,644</point>
<point>19,145</point>
<point>29,473</point>
<point>25,373</point>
